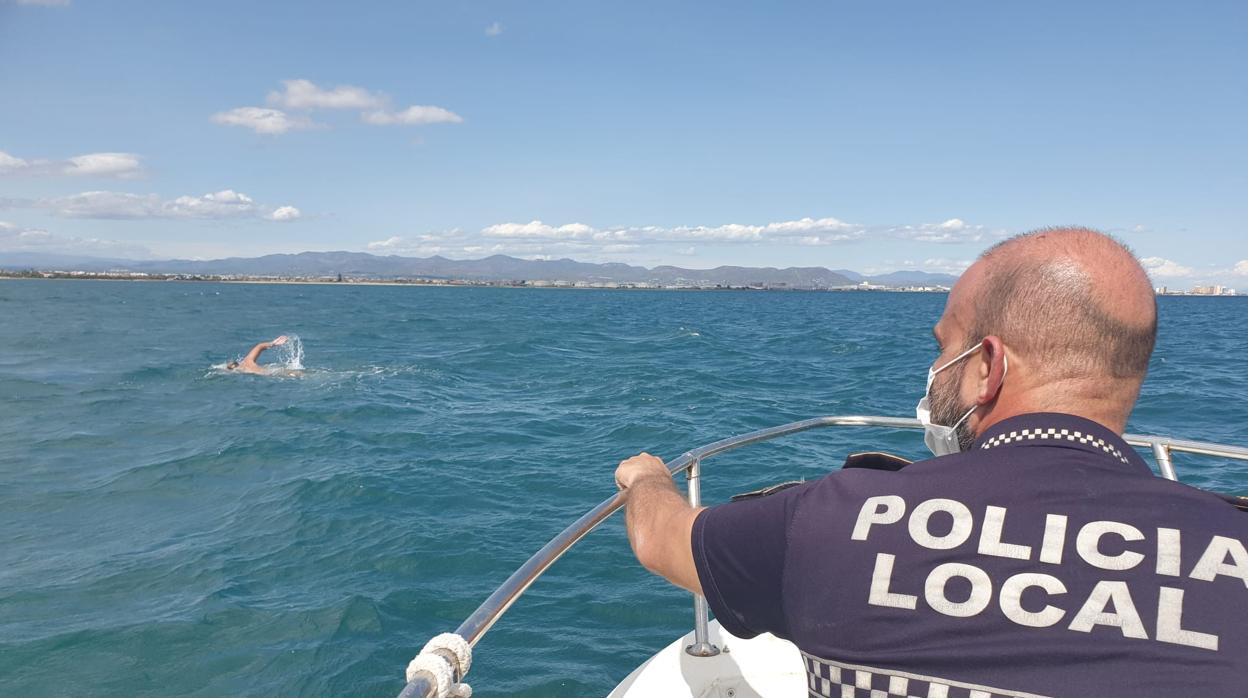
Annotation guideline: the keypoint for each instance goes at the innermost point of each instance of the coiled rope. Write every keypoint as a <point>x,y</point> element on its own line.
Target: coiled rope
<point>445,658</point>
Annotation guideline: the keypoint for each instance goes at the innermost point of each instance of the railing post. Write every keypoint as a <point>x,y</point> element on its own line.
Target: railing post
<point>702,646</point>
<point>1161,452</point>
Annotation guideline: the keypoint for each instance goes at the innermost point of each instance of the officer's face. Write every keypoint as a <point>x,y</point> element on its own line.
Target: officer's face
<point>945,399</point>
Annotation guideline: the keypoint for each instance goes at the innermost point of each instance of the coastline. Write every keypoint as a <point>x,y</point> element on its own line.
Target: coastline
<point>471,283</point>
<point>439,283</point>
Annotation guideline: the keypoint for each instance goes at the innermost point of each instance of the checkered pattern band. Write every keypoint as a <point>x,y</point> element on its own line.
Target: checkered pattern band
<point>827,679</point>
<point>1055,434</point>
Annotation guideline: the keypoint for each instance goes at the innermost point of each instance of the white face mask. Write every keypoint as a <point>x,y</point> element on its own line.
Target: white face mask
<point>940,439</point>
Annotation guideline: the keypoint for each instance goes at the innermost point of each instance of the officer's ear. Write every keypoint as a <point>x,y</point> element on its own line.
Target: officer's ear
<point>991,365</point>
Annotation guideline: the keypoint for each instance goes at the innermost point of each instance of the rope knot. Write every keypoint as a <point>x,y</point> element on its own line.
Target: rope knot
<point>445,658</point>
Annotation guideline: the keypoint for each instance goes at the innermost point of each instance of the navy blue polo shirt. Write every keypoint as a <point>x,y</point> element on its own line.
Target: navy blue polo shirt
<point>1048,560</point>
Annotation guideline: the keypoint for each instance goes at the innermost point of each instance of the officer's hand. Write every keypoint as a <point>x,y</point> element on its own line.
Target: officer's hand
<point>639,466</point>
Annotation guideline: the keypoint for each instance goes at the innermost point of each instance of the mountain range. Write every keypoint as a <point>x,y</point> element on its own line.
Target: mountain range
<point>494,268</point>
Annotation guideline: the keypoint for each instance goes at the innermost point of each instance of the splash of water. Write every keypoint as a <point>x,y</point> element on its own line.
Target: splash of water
<point>290,354</point>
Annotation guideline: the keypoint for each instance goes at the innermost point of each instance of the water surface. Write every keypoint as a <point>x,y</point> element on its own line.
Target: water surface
<point>174,530</point>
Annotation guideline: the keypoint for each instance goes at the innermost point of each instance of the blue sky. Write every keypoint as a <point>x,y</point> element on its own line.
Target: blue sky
<point>870,136</point>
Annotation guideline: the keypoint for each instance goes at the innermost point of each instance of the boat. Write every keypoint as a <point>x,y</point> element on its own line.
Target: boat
<point>708,662</point>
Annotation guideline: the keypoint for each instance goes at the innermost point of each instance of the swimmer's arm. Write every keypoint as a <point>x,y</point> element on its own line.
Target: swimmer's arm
<point>256,351</point>
<point>659,521</point>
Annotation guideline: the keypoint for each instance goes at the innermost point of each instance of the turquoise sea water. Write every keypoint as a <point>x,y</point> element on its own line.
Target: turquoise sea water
<point>173,530</point>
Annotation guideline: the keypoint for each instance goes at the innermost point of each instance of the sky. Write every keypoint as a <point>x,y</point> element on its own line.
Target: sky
<point>872,136</point>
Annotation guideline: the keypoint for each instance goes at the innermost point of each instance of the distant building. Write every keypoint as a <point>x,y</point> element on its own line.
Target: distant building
<point>1213,290</point>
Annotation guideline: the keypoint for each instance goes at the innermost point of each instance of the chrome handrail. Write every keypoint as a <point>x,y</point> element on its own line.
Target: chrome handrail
<point>487,614</point>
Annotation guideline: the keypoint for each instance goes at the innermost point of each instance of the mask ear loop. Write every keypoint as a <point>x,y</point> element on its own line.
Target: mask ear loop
<point>959,357</point>
<point>1005,360</point>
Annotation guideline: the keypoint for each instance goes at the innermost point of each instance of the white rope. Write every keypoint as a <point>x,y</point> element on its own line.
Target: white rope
<point>435,666</point>
<point>457,646</point>
<point>434,660</point>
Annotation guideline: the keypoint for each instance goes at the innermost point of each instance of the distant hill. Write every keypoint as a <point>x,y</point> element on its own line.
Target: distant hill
<point>495,268</point>
<point>901,278</point>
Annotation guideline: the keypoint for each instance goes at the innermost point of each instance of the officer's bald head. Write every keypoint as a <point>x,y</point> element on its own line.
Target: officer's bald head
<point>1072,304</point>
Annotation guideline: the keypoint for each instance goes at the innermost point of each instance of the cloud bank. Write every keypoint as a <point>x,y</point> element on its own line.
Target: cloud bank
<point>1159,268</point>
<point>301,95</point>
<point>104,165</point>
<point>537,238</point>
<point>17,239</point>
<point>110,205</point>
<point>1166,272</point>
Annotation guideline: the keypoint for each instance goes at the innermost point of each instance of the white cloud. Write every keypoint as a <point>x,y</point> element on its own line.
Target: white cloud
<point>119,165</point>
<point>1241,268</point>
<point>285,213</point>
<point>810,225</point>
<point>1159,267</point>
<point>941,265</point>
<point>412,116</point>
<point>952,231</point>
<point>15,239</point>
<point>9,163</point>
<point>261,120</point>
<point>494,29</point>
<point>224,204</point>
<point>805,231</point>
<point>104,165</point>
<point>304,94</point>
<point>394,242</point>
<point>538,230</point>
<point>537,237</point>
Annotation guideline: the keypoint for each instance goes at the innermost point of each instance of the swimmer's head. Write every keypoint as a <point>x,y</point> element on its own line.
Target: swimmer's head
<point>231,366</point>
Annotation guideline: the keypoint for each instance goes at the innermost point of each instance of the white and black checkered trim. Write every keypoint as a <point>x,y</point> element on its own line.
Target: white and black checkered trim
<point>1058,434</point>
<point>828,679</point>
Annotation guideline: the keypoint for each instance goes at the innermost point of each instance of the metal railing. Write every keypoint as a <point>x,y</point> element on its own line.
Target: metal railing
<point>479,623</point>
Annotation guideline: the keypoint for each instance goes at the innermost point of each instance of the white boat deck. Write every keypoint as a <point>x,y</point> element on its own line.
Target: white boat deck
<point>762,667</point>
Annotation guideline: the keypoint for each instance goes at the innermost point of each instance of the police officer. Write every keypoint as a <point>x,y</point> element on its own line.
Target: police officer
<point>1036,555</point>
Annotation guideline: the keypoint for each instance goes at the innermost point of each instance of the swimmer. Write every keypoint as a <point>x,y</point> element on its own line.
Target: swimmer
<point>248,364</point>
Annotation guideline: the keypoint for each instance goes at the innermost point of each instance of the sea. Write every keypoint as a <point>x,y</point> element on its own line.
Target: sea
<point>173,529</point>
